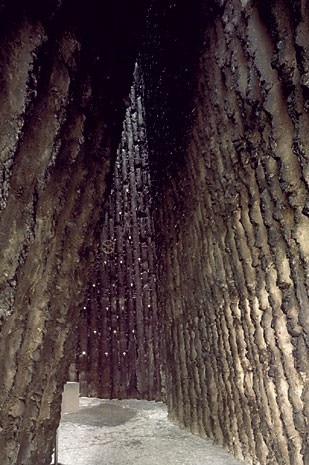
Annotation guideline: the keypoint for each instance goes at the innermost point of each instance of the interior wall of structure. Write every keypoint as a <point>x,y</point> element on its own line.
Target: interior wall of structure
<point>62,98</point>
<point>232,239</point>
<point>118,345</point>
<point>226,97</point>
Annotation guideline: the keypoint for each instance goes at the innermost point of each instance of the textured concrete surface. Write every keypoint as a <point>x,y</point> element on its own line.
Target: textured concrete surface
<point>131,432</point>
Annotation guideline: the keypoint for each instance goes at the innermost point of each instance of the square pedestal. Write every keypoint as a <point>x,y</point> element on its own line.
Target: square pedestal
<point>70,398</point>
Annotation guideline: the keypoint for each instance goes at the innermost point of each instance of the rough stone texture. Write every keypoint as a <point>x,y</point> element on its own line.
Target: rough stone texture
<point>60,122</point>
<point>118,355</point>
<point>232,236</point>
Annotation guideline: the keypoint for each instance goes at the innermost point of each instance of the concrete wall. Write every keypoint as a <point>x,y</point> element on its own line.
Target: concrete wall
<point>226,99</point>
<point>117,352</point>
<point>232,239</point>
<point>62,105</point>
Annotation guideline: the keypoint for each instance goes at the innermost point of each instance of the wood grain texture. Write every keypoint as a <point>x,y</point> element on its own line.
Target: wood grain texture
<point>60,127</point>
<point>118,349</point>
<point>232,239</point>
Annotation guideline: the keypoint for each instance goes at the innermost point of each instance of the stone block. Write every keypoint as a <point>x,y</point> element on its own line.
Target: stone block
<point>70,398</point>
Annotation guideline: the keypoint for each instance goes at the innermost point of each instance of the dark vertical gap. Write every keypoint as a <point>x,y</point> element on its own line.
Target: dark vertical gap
<point>122,358</point>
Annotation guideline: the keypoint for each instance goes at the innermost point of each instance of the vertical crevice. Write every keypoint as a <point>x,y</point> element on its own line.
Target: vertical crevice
<point>118,353</point>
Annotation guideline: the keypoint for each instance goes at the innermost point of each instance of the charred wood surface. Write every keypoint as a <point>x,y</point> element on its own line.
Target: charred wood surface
<point>118,348</point>
<point>226,88</point>
<point>232,229</point>
<point>62,98</point>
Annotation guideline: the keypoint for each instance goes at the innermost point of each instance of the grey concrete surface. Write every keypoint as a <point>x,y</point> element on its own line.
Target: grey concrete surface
<point>129,432</point>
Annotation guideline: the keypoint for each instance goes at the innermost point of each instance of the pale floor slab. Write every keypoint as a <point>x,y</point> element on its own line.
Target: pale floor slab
<point>131,432</point>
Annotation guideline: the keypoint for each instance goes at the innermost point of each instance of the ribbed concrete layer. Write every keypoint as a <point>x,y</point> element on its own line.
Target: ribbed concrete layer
<point>131,432</point>
<point>118,346</point>
<point>232,239</point>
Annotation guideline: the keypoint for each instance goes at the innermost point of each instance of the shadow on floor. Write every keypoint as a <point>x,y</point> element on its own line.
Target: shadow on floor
<point>131,432</point>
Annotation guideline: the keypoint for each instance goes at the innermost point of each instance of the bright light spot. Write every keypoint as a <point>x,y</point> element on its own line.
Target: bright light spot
<point>106,353</point>
<point>84,352</point>
<point>93,285</point>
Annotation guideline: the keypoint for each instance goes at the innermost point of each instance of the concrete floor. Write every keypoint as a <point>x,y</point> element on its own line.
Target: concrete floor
<point>131,432</point>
